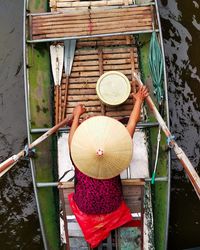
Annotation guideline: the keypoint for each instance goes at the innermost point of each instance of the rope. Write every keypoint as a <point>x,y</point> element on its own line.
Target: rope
<point>28,153</point>
<point>157,154</point>
<point>65,173</point>
<point>156,67</point>
<point>170,139</point>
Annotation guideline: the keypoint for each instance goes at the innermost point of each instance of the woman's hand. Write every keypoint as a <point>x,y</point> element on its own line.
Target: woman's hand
<point>141,94</point>
<point>79,110</point>
<point>138,98</point>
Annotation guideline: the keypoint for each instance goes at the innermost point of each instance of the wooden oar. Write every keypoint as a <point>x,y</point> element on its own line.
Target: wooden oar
<point>9,163</point>
<point>57,55</point>
<point>70,46</point>
<point>192,174</point>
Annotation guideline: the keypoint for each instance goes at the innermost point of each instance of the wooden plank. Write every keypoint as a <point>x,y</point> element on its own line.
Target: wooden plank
<point>84,102</point>
<point>82,91</point>
<point>117,67</point>
<point>84,22</point>
<point>107,50</point>
<point>106,67</point>
<point>60,20</point>
<point>59,23</point>
<point>85,74</point>
<point>85,57</point>
<point>90,114</point>
<point>117,56</point>
<point>118,37</point>
<point>73,103</point>
<point>84,63</point>
<point>85,68</point>
<point>84,80</point>
<point>106,12</point>
<point>63,205</point>
<point>100,25</point>
<point>92,64</point>
<point>60,34</point>
<point>106,56</point>
<point>101,43</point>
<point>87,80</point>
<point>82,86</point>
<point>65,1</point>
<point>60,16</point>
<point>83,98</point>
<point>84,27</point>
<point>91,13</point>
<point>128,107</point>
<point>125,18</point>
<point>123,71</point>
<point>134,66</point>
<point>96,73</point>
<point>106,30</point>
<point>91,3</point>
<point>101,71</point>
<point>118,61</point>
<point>118,113</point>
<point>88,109</point>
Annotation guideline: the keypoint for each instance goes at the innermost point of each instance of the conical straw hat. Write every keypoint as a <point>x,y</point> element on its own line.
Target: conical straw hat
<point>101,147</point>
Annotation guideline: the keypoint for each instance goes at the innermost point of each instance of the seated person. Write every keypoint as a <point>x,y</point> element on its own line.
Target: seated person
<point>95,196</point>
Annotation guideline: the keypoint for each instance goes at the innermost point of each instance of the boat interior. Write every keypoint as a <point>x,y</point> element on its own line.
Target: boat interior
<point>108,35</point>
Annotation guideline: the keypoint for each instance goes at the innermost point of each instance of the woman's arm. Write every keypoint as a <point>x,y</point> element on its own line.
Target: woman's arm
<point>135,114</point>
<point>77,112</point>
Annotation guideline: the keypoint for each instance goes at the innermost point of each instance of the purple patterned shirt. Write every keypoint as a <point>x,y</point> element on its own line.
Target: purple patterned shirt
<point>94,196</point>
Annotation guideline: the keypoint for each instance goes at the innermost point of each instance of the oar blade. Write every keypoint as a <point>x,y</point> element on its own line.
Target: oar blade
<point>57,58</point>
<point>7,169</point>
<point>70,46</point>
<point>9,163</point>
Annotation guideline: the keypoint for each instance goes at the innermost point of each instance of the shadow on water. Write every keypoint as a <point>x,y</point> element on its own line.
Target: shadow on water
<point>181,31</point>
<point>19,226</point>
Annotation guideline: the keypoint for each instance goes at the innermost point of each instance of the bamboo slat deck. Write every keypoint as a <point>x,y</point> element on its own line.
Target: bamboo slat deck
<point>101,21</point>
<point>92,58</point>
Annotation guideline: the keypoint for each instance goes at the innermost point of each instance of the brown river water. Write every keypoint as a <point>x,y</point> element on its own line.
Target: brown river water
<point>19,226</point>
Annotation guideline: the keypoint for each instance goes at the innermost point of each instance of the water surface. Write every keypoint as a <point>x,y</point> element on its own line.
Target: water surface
<point>181,31</point>
<point>19,227</point>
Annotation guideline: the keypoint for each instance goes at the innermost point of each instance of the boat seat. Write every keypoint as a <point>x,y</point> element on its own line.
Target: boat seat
<point>133,191</point>
<point>91,22</point>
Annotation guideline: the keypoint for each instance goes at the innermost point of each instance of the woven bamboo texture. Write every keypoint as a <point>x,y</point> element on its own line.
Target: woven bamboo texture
<point>93,57</point>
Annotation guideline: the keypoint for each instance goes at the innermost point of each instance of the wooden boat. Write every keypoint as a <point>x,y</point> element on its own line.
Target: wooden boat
<point>101,36</point>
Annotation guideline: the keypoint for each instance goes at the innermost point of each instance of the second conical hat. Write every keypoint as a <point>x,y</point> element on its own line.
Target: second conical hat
<point>113,88</point>
<point>101,147</point>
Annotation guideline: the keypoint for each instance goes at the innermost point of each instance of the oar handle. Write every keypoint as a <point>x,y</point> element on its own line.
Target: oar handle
<point>50,132</point>
<point>13,159</point>
<point>192,174</point>
<point>7,163</point>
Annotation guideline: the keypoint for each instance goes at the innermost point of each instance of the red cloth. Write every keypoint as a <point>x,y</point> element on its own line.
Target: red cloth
<point>96,228</point>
